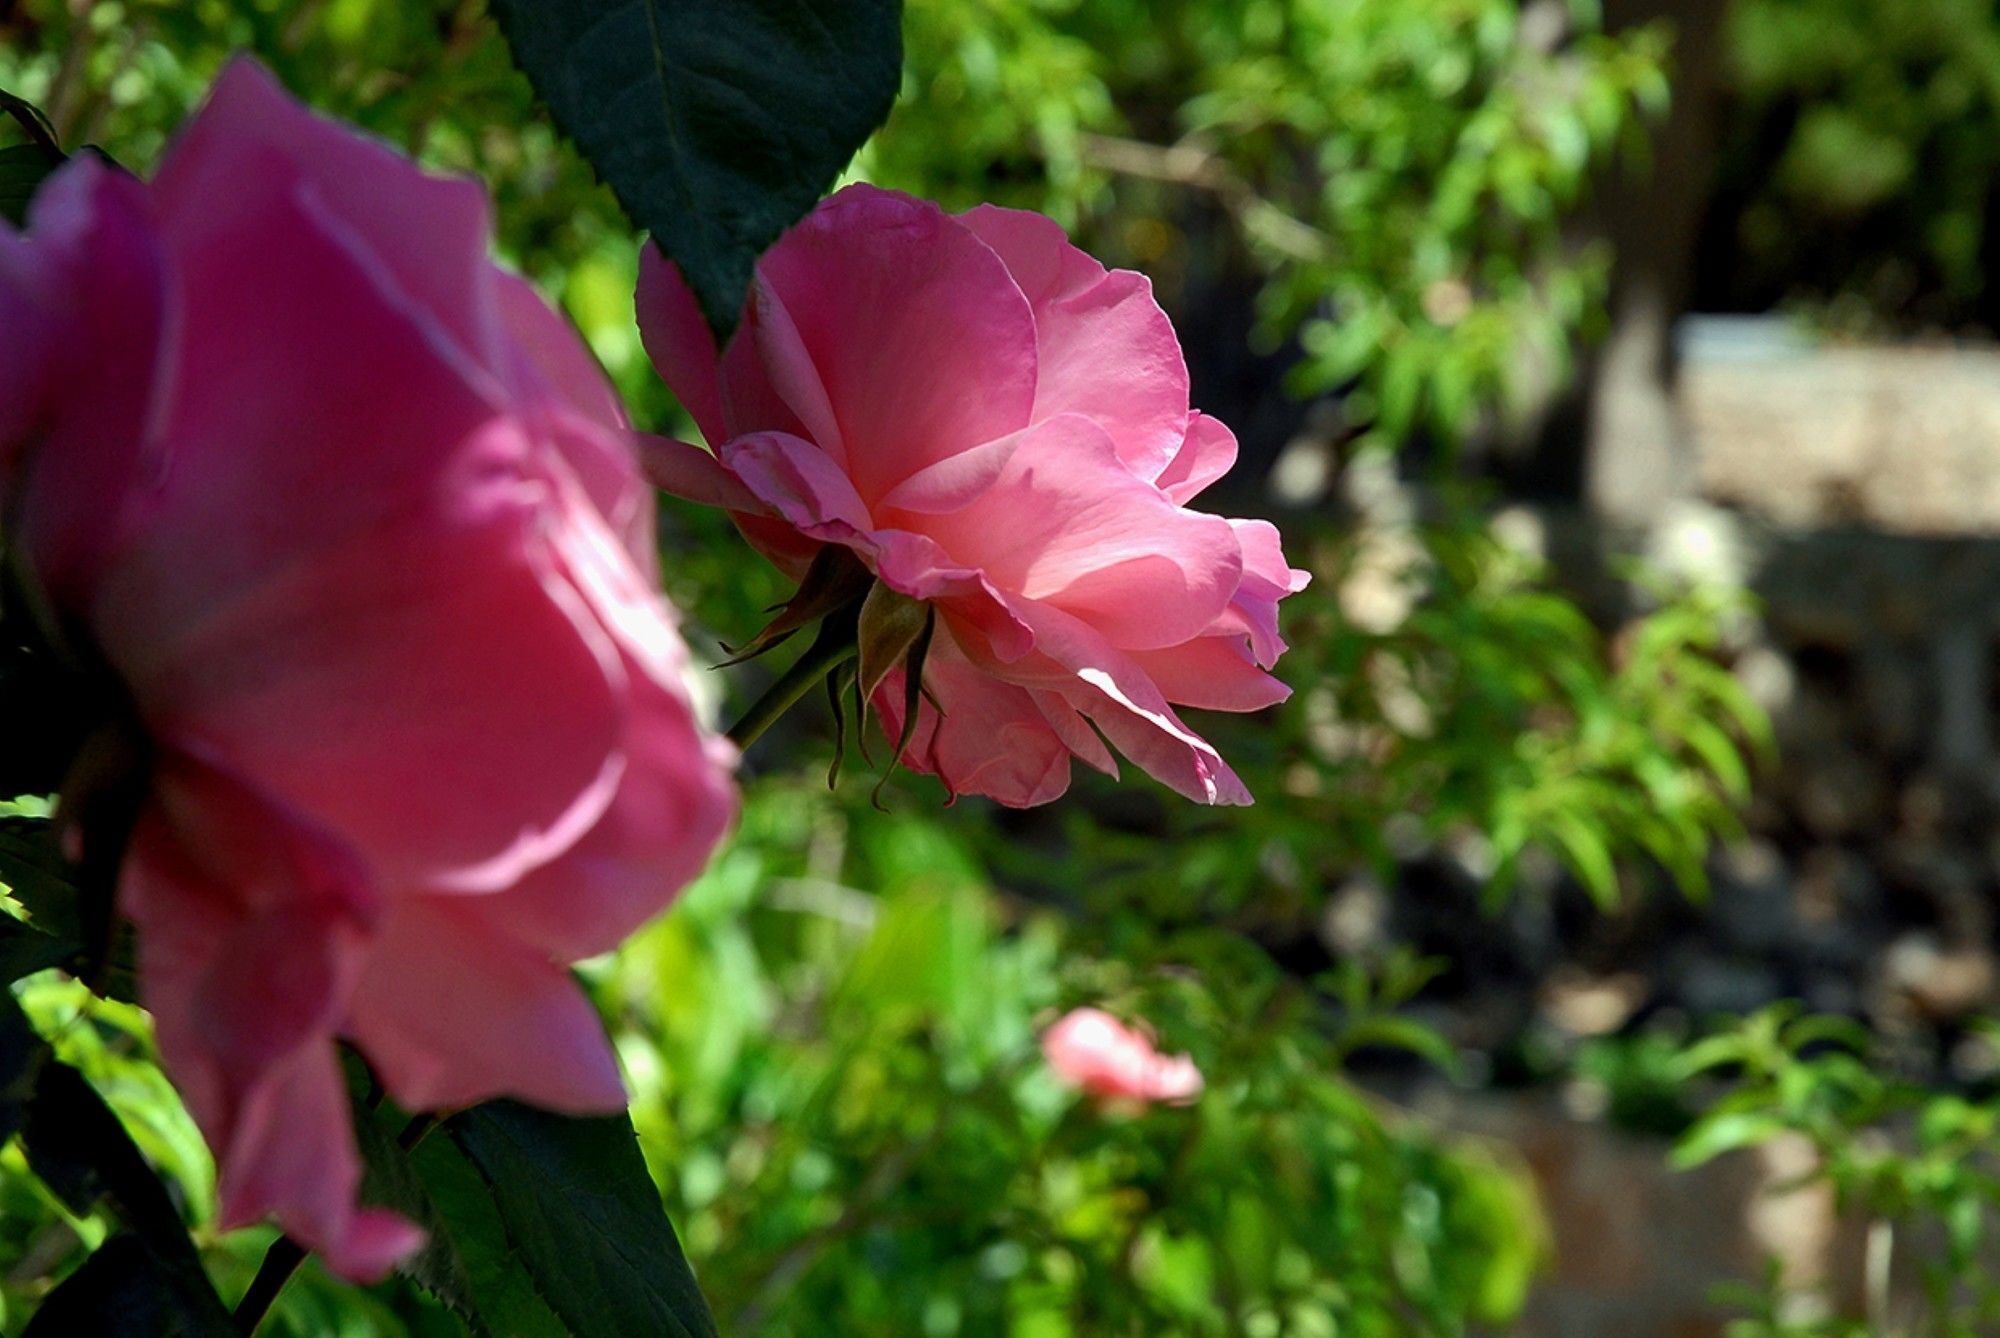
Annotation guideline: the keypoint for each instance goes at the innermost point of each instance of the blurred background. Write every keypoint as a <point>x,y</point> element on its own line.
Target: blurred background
<point>1611,949</point>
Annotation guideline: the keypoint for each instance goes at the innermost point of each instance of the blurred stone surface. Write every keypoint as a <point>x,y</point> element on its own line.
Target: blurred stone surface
<point>1899,440</point>
<point>1638,1246</point>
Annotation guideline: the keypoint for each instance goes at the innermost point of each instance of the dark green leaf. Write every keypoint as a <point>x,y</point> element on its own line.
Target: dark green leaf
<point>35,871</point>
<point>500,1298</point>
<point>22,1051</point>
<point>129,1288</point>
<point>82,1153</point>
<point>23,168</point>
<point>466,1261</point>
<point>717,123</point>
<point>584,1219</point>
<point>25,950</point>
<point>32,120</point>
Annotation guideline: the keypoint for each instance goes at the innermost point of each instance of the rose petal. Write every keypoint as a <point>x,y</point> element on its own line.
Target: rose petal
<point>678,340</point>
<point>452,1010</point>
<point>1065,523</point>
<point>900,309</point>
<point>427,234</point>
<point>1106,350</point>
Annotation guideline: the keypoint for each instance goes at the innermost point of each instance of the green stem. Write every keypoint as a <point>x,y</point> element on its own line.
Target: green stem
<point>821,658</point>
<point>280,1262</point>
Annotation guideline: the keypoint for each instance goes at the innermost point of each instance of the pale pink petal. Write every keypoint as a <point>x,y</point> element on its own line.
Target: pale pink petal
<point>1093,1051</point>
<point>786,365</point>
<point>798,481</point>
<point>1075,732</point>
<point>1212,673</point>
<point>1106,349</point>
<point>693,474</point>
<point>453,1010</point>
<point>1205,455</point>
<point>1064,522</point>
<point>922,342</point>
<point>1104,684</point>
<point>992,740</point>
<point>1267,578</point>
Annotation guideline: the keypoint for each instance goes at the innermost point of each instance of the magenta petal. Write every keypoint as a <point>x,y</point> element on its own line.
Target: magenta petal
<point>294,371</point>
<point>554,366</point>
<point>678,340</point>
<point>216,870</point>
<point>672,806</point>
<point>396,687</point>
<point>425,235</point>
<point>1106,350</point>
<point>923,344</point>
<point>93,256</point>
<point>452,1010</point>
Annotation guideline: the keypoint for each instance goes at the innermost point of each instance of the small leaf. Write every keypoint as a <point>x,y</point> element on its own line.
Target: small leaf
<point>1724,1132</point>
<point>585,1220</point>
<point>890,624</point>
<point>835,580</point>
<point>717,123</point>
<point>33,120</point>
<point>128,1287</point>
<point>913,696</point>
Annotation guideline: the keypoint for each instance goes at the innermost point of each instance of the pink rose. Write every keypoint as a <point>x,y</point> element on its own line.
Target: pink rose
<point>1096,1053</point>
<point>353,522</point>
<point>997,425</point>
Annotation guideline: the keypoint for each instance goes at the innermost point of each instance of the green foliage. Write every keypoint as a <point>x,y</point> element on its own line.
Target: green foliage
<point>718,123</point>
<point>843,1093</point>
<point>1448,698</point>
<point>833,1038</point>
<point>1393,175</point>
<point>1916,1164</point>
<point>1861,150</point>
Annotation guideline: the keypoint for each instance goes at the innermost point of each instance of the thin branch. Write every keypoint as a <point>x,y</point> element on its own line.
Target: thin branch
<point>1191,164</point>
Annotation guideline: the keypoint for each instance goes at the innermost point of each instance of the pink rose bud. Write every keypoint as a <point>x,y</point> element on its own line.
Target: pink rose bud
<point>355,524</point>
<point>996,425</point>
<point>1096,1053</point>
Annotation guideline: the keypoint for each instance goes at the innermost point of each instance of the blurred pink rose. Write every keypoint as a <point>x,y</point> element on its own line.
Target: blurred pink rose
<point>353,521</point>
<point>1093,1051</point>
<point>996,424</point>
